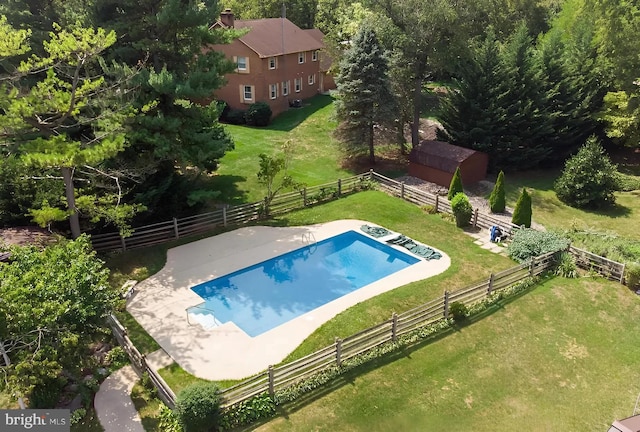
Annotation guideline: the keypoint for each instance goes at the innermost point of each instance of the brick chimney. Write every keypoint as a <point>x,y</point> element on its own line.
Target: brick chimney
<point>226,18</point>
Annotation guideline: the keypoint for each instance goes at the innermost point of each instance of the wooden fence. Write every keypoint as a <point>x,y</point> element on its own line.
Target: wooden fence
<point>176,228</point>
<point>280,377</point>
<point>612,270</point>
<point>139,362</point>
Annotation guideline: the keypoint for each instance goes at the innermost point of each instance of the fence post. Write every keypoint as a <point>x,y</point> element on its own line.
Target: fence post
<point>123,243</point>
<point>446,305</point>
<point>175,228</point>
<point>624,266</point>
<point>224,215</point>
<point>402,190</point>
<point>531,266</point>
<point>338,351</point>
<point>437,202</point>
<point>304,197</point>
<point>475,218</point>
<point>339,187</point>
<point>271,383</point>
<point>490,285</point>
<point>371,174</point>
<point>266,207</point>
<point>394,327</point>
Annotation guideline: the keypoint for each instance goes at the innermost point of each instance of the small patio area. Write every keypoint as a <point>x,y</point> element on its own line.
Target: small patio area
<point>160,302</point>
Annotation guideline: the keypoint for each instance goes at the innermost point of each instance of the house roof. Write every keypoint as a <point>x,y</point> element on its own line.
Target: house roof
<point>440,155</point>
<point>325,60</point>
<point>271,37</point>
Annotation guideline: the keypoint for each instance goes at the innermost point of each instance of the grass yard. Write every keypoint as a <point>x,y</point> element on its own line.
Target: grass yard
<point>316,157</point>
<point>552,213</point>
<point>562,357</point>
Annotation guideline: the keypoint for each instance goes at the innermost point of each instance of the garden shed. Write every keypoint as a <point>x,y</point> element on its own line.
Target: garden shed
<point>436,161</point>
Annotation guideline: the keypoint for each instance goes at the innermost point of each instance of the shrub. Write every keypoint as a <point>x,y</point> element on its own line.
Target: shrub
<point>458,311</point>
<point>168,420</point>
<point>258,114</point>
<point>462,209</point>
<point>626,182</point>
<point>236,116</point>
<point>632,274</point>
<point>198,407</point>
<point>566,265</point>
<point>117,358</point>
<point>527,243</point>
<point>77,416</point>
<point>497,200</point>
<point>456,185</point>
<point>522,211</point>
<point>589,178</point>
<point>429,209</point>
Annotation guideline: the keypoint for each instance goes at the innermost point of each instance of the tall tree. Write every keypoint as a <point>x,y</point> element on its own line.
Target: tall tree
<point>59,112</point>
<point>175,137</point>
<point>365,97</point>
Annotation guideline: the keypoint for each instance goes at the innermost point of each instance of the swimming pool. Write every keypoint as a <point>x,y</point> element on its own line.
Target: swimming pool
<point>263,296</point>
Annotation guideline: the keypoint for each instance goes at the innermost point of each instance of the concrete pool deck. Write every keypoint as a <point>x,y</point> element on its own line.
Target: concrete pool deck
<point>160,302</point>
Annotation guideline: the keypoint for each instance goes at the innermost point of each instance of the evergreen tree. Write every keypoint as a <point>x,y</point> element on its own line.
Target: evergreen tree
<point>497,200</point>
<point>455,187</point>
<point>175,137</point>
<point>522,211</point>
<point>365,97</point>
<point>588,179</point>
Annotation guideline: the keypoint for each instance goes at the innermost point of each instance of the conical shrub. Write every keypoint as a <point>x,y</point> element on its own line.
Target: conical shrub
<point>522,212</point>
<point>456,185</point>
<point>497,201</point>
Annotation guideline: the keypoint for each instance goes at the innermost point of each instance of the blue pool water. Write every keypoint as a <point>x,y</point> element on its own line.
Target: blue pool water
<point>265,295</point>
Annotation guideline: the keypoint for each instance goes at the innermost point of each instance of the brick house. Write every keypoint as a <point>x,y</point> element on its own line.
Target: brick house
<point>277,63</point>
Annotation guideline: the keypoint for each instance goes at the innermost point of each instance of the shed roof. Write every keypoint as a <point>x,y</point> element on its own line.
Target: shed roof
<point>440,155</point>
<point>270,37</point>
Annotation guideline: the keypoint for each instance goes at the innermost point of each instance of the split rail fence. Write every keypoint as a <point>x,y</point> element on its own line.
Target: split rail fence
<point>280,377</point>
<point>139,362</point>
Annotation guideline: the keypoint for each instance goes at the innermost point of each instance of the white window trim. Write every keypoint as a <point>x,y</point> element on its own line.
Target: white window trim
<point>314,55</point>
<point>246,64</point>
<point>302,56</point>
<point>275,63</point>
<point>273,91</point>
<point>298,85</point>
<point>311,79</point>
<point>285,88</point>
<point>244,93</point>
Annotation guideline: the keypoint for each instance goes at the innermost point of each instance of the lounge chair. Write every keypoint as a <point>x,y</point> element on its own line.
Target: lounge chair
<point>376,232</point>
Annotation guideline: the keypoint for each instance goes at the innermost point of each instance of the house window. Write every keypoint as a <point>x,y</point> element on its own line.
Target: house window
<point>285,88</point>
<point>301,57</point>
<point>312,79</point>
<point>314,56</point>
<point>242,63</point>
<point>273,91</point>
<point>247,93</point>
<point>298,84</point>
<point>272,63</point>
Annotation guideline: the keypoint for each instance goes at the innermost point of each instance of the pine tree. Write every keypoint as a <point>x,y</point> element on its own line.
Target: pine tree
<point>522,211</point>
<point>176,136</point>
<point>364,93</point>
<point>497,200</point>
<point>455,187</point>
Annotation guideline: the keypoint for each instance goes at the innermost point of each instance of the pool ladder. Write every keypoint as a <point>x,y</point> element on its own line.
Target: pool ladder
<point>310,240</point>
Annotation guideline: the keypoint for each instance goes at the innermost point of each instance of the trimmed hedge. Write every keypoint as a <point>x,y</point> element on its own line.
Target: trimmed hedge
<point>455,187</point>
<point>497,200</point>
<point>522,211</point>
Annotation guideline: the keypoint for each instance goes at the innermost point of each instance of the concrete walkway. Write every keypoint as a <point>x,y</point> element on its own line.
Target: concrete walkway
<point>113,403</point>
<point>483,239</point>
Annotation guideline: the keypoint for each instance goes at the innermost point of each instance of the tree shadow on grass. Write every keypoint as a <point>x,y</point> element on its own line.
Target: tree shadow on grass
<point>228,187</point>
<point>291,118</point>
<point>614,211</point>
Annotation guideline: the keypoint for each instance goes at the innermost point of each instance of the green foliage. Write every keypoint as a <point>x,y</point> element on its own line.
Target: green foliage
<point>274,174</point>
<point>497,200</point>
<point>522,211</point>
<point>236,117</point>
<point>566,265</point>
<point>632,275</point>
<point>53,301</point>
<point>364,93</point>
<point>455,187</point>
<point>589,178</point>
<point>77,415</point>
<point>117,358</point>
<point>527,243</point>
<point>198,407</point>
<point>462,209</point>
<point>627,183</point>
<point>258,114</point>
<point>458,312</point>
<point>247,412</point>
<point>621,113</point>
<point>46,215</point>
<point>429,209</point>
<point>168,420</point>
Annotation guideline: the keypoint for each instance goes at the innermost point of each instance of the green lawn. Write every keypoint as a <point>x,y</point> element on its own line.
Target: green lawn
<point>552,213</point>
<point>316,157</point>
<point>562,357</point>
